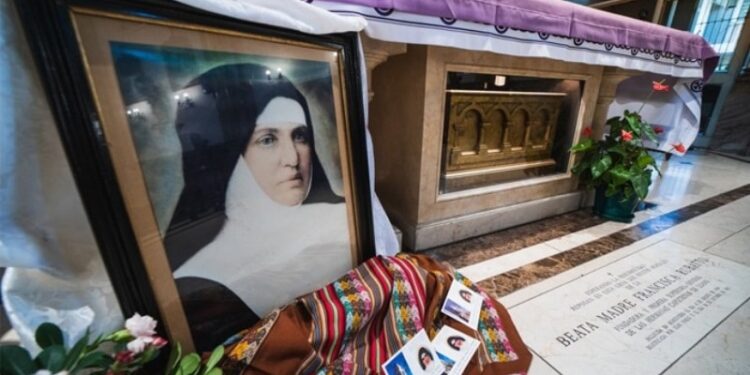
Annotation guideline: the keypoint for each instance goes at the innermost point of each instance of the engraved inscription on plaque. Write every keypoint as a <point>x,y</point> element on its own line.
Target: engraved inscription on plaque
<point>497,130</point>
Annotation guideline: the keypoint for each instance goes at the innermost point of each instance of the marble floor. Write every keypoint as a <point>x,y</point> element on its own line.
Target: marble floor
<point>681,269</point>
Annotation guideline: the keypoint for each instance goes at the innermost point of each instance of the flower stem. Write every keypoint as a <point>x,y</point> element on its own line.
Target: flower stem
<point>644,102</point>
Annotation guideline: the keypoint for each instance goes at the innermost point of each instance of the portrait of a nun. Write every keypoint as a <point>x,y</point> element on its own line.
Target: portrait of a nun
<point>257,223</point>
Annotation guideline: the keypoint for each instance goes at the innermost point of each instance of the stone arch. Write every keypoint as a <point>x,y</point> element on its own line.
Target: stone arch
<point>493,133</point>
<point>539,127</point>
<point>516,133</point>
<point>467,131</point>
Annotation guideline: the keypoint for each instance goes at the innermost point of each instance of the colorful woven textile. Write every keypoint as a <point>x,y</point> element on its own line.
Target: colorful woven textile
<point>353,325</point>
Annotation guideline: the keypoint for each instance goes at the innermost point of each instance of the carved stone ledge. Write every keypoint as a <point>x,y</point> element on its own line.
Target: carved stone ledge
<point>610,80</point>
<point>377,52</point>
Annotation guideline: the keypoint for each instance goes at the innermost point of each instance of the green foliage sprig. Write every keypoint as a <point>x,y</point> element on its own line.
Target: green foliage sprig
<point>121,352</point>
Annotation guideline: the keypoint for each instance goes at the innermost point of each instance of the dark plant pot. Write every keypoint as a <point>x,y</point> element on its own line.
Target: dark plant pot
<point>614,208</point>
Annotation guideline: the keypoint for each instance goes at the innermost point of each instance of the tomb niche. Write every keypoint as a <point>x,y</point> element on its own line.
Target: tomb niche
<point>490,132</point>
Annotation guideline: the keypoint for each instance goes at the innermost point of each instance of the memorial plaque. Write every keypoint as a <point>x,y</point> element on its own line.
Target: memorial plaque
<point>637,315</point>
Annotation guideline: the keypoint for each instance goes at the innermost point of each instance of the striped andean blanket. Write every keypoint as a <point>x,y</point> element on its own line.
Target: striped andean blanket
<point>353,325</point>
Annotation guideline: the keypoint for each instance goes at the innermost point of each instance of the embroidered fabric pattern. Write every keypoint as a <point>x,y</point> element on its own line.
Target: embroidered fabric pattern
<point>252,339</point>
<point>355,324</point>
<point>490,327</point>
<point>406,303</point>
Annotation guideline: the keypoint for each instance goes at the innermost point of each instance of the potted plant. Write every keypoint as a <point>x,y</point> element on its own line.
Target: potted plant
<point>618,166</point>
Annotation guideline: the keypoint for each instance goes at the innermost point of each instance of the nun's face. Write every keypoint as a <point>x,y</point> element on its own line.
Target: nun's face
<point>279,153</point>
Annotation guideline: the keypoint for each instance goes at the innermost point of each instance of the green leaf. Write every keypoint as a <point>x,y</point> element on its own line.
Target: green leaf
<point>15,360</point>
<point>215,371</point>
<point>189,364</point>
<point>620,175</point>
<point>618,149</point>
<point>611,190</point>
<point>214,358</point>
<point>644,160</point>
<point>51,358</point>
<point>75,352</point>
<point>581,166</point>
<point>98,360</point>
<point>48,334</point>
<point>640,184</point>
<point>650,133</point>
<point>149,354</point>
<point>583,145</point>
<point>601,166</point>
<point>614,121</point>
<point>627,192</point>
<point>174,357</point>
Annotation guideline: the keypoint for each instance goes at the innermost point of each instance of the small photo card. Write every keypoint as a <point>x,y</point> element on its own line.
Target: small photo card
<point>463,304</point>
<point>455,349</point>
<point>417,357</point>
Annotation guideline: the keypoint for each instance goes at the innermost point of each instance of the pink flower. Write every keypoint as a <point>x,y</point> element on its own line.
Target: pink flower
<point>659,86</point>
<point>626,135</point>
<point>138,345</point>
<point>124,356</point>
<point>658,129</point>
<point>141,326</point>
<point>587,132</point>
<point>679,147</point>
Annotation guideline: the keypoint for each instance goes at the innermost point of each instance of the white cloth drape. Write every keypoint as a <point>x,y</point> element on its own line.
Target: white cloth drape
<point>676,112</point>
<point>683,113</point>
<point>403,27</point>
<point>56,273</point>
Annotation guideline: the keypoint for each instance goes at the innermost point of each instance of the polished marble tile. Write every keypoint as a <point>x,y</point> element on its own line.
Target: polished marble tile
<point>539,367</point>
<point>593,233</point>
<point>734,216</point>
<point>529,274</point>
<point>522,295</point>
<point>736,247</point>
<point>475,250</point>
<point>695,177</point>
<point>635,315</point>
<point>498,265</point>
<point>723,351</point>
<point>697,235</point>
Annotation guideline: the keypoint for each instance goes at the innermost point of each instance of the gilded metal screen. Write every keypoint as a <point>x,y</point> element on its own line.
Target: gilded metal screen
<point>505,128</point>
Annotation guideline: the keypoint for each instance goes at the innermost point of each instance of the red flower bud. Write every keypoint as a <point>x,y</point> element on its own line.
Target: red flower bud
<point>659,86</point>
<point>658,129</point>
<point>626,135</point>
<point>587,132</point>
<point>159,342</point>
<point>679,147</point>
<point>124,356</point>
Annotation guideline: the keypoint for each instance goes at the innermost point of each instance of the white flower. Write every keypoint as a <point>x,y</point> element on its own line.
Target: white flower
<point>138,345</point>
<point>141,326</point>
<point>42,372</point>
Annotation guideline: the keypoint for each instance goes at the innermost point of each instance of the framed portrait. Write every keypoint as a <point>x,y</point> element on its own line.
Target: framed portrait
<point>222,164</point>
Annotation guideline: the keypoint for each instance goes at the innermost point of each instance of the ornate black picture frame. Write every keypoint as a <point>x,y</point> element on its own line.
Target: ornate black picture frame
<point>219,162</point>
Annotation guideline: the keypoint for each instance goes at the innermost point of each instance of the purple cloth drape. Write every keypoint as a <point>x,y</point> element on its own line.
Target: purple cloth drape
<point>562,18</point>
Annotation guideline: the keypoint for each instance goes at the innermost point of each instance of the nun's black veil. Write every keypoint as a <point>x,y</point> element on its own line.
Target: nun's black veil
<point>214,130</point>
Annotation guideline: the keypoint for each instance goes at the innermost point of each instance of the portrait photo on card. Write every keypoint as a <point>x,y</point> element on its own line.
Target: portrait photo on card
<point>463,305</point>
<point>454,347</point>
<point>457,311</point>
<point>417,357</point>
